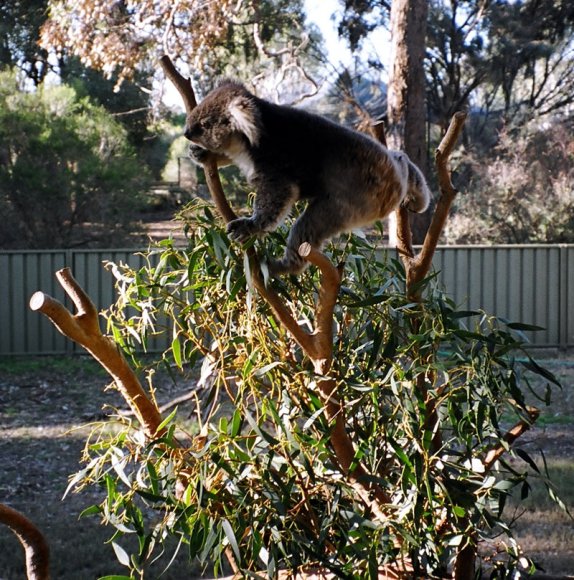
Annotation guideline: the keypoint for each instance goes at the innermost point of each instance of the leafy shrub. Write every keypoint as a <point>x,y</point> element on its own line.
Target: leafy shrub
<point>521,193</point>
<point>67,173</point>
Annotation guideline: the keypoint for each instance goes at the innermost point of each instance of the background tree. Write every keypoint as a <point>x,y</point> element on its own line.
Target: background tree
<point>210,38</point>
<point>507,60</point>
<point>406,110</point>
<point>20,24</point>
<point>520,192</point>
<point>67,173</point>
<point>508,63</point>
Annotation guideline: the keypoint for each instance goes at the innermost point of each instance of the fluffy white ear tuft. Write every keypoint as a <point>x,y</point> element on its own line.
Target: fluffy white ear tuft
<point>243,114</point>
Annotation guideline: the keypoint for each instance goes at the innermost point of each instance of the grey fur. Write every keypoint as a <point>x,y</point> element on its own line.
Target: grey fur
<point>288,154</point>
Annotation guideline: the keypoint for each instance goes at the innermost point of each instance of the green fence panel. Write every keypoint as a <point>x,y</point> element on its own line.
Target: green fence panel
<point>533,284</point>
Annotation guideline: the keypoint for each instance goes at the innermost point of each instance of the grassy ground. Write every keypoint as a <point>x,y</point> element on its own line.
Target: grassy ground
<point>44,402</point>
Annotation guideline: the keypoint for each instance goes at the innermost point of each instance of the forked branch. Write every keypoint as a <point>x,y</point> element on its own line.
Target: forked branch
<point>84,328</point>
<point>417,267</point>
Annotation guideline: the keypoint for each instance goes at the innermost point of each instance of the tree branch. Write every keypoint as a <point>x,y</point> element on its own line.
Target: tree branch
<point>182,84</point>
<point>32,540</point>
<point>417,267</point>
<point>510,437</point>
<point>84,329</point>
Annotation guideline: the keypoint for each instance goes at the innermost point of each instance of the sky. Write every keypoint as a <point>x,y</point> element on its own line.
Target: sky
<point>321,12</point>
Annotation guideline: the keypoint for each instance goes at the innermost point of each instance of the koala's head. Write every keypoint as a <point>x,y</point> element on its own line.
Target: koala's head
<point>226,115</point>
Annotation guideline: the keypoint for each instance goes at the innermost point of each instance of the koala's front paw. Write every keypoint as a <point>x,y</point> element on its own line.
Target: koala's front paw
<point>241,229</point>
<point>197,153</point>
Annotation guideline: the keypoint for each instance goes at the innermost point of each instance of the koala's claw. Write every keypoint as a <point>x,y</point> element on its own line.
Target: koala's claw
<point>241,229</point>
<point>197,153</point>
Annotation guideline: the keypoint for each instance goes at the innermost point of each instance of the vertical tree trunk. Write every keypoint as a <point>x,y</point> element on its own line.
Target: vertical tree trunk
<point>406,92</point>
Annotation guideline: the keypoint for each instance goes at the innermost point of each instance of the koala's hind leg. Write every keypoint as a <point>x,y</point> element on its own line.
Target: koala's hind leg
<point>418,195</point>
<point>316,225</point>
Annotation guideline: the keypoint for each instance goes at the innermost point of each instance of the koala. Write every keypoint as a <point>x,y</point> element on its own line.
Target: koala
<point>348,179</point>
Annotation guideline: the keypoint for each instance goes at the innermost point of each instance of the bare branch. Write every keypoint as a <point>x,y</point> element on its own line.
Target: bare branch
<point>417,267</point>
<point>32,540</point>
<point>448,193</point>
<point>185,89</point>
<point>84,329</point>
<point>216,190</point>
<point>182,84</point>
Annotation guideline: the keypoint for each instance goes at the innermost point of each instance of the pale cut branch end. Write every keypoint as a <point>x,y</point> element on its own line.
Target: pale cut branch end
<point>452,135</point>
<point>38,301</point>
<point>304,249</point>
<point>84,329</point>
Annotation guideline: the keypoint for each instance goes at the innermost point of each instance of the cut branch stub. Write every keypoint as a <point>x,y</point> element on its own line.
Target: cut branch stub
<point>84,329</point>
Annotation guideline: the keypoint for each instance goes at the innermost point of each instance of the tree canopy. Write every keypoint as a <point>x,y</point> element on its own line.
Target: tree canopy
<point>20,24</point>
<point>204,36</point>
<point>507,62</point>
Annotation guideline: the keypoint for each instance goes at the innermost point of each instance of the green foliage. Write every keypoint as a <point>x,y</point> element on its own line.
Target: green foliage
<point>67,174</point>
<point>429,391</point>
<point>20,24</point>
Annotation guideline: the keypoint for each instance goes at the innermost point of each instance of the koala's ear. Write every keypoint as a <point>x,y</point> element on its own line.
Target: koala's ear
<point>244,116</point>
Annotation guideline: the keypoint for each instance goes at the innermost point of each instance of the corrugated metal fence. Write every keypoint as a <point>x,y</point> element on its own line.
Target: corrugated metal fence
<point>530,284</point>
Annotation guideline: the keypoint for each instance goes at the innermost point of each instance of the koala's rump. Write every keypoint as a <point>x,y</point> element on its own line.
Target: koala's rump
<point>322,158</point>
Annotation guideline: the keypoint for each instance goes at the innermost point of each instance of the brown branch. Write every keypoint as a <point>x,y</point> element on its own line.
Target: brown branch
<point>510,437</point>
<point>448,193</point>
<point>331,277</point>
<point>417,267</point>
<point>84,329</point>
<point>216,190</point>
<point>32,540</point>
<point>182,84</point>
<point>404,237</point>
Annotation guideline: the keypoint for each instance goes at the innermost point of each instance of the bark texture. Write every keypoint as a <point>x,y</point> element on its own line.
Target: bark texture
<point>406,109</point>
<point>32,540</point>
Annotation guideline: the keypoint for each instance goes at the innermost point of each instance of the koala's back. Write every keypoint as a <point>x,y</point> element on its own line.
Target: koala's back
<point>320,156</point>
